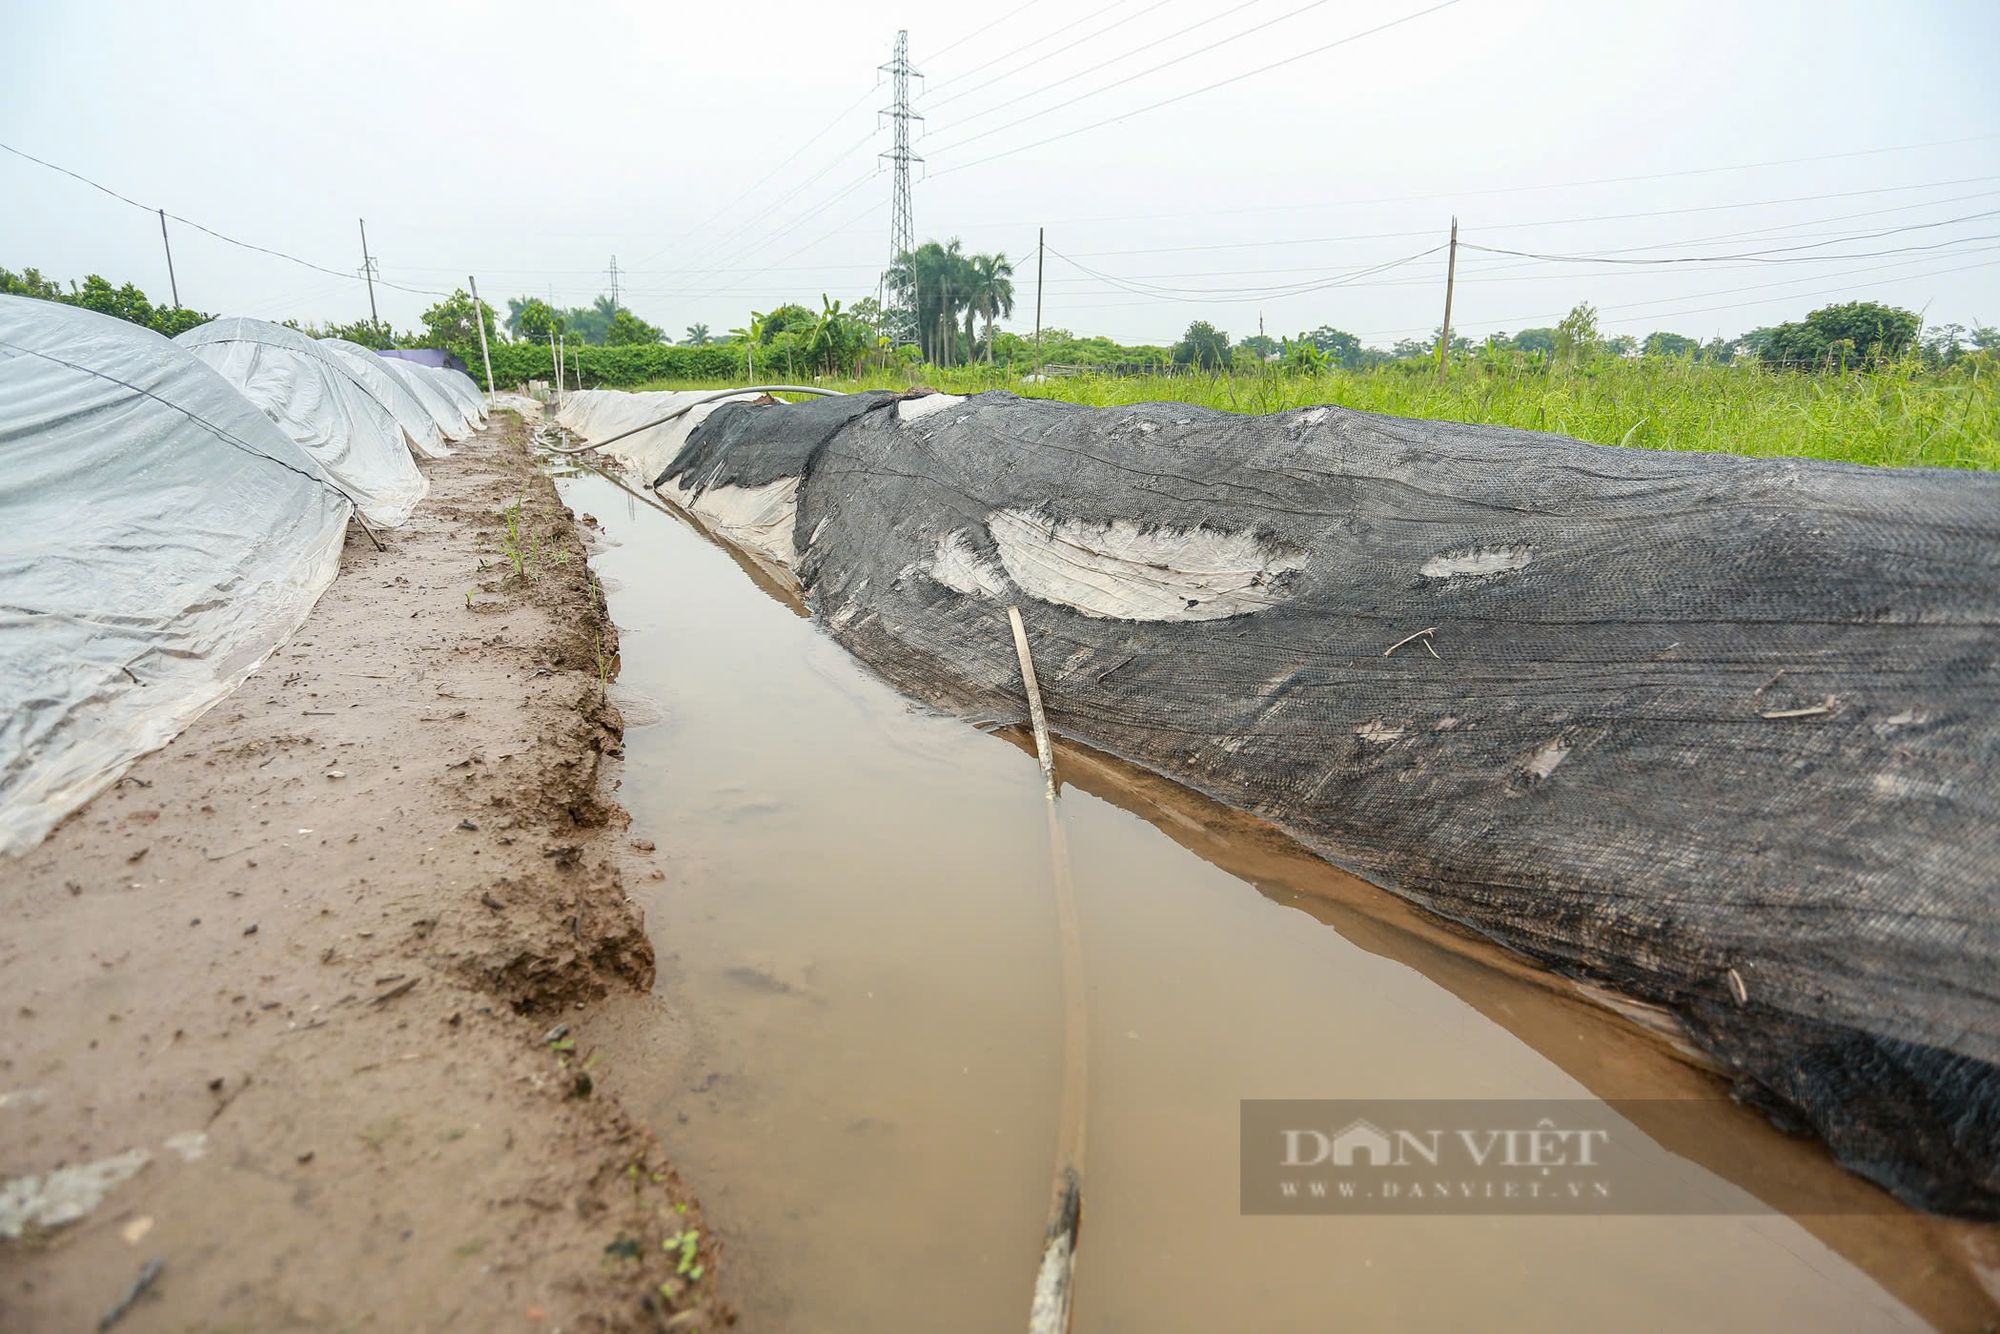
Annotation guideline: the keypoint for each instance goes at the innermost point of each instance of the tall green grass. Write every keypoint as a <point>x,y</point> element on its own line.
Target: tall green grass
<point>1897,416</point>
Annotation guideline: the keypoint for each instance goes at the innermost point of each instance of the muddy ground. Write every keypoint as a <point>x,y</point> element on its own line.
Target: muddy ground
<point>294,993</point>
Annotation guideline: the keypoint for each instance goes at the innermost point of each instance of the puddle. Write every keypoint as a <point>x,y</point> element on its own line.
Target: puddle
<point>858,928</point>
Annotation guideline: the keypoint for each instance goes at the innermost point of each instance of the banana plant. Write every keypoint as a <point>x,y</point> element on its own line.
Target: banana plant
<point>752,336</point>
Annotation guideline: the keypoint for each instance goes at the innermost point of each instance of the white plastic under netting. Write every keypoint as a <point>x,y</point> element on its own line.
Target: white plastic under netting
<point>599,414</point>
<point>311,394</point>
<point>444,410</point>
<point>162,538</point>
<point>419,427</point>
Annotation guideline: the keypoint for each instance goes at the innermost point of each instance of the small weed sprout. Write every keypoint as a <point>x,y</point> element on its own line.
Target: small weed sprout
<point>597,639</point>
<point>685,1242</point>
<point>511,544</point>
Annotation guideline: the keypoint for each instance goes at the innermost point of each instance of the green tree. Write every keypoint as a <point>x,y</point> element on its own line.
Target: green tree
<point>937,282</point>
<point>1258,346</point>
<point>1534,340</point>
<point>29,282</point>
<point>1303,356</point>
<point>836,341</point>
<point>369,333</point>
<point>1854,333</point>
<point>96,293</point>
<point>1203,346</point>
<point>788,318</point>
<point>992,294</point>
<point>126,303</point>
<point>697,336</point>
<point>1663,344</point>
<point>1576,337</point>
<point>628,330</point>
<point>454,323</point>
<point>533,319</point>
<point>1337,344</point>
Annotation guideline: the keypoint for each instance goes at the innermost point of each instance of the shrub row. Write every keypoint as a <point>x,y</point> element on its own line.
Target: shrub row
<point>609,367</point>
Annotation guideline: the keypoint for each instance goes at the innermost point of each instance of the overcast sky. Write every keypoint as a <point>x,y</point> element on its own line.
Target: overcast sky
<point>726,155</point>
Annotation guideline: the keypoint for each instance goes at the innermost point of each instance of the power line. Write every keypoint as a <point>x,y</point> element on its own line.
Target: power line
<point>824,130</point>
<point>189,222</point>
<point>1775,255</point>
<point>1045,38</point>
<point>1123,55</point>
<point>1566,222</point>
<point>740,240</point>
<point>1247,294</point>
<point>1009,15</point>
<point>1179,97</point>
<point>1457,195</point>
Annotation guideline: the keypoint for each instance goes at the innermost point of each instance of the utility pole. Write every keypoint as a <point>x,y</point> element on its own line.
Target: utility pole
<point>479,318</point>
<point>1041,249</point>
<point>1450,278</point>
<point>614,282</point>
<point>171,281</point>
<point>368,272</point>
<point>902,224</point>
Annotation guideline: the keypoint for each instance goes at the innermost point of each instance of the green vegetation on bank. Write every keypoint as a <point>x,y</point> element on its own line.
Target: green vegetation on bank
<point>1859,382</point>
<point>1899,415</point>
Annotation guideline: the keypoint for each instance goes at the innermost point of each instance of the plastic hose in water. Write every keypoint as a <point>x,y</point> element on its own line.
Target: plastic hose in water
<point>1054,1280</point>
<point>705,398</point>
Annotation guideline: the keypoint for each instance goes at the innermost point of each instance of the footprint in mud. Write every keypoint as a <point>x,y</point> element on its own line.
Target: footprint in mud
<point>732,802</point>
<point>635,706</point>
<point>778,977</point>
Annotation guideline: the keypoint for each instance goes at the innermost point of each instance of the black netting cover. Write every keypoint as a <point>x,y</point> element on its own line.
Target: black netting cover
<point>1720,732</point>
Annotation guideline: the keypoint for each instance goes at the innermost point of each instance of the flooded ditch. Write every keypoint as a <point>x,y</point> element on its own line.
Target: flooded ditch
<point>857,932</point>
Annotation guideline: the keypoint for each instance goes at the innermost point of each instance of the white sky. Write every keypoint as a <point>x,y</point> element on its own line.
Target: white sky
<point>530,143</point>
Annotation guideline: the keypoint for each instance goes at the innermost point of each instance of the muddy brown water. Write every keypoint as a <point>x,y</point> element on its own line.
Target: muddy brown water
<point>858,929</point>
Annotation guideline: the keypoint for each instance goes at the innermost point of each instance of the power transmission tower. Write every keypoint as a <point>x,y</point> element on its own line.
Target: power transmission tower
<point>614,282</point>
<point>902,315</point>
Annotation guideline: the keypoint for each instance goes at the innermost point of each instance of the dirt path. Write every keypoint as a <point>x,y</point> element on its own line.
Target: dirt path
<point>292,995</point>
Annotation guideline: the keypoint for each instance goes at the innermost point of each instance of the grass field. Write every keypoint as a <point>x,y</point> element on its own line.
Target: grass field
<point>1899,417</point>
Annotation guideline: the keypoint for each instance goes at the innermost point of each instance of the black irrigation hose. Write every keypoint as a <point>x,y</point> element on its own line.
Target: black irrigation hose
<point>708,398</point>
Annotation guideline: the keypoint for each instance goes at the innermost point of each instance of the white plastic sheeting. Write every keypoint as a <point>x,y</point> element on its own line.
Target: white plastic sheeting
<point>420,428</point>
<point>444,410</point>
<point>312,395</point>
<point>162,538</point>
<point>466,390</point>
<point>599,414</point>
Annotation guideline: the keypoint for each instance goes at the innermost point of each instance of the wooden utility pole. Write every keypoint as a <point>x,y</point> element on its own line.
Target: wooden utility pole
<point>1450,277</point>
<point>1041,246</point>
<point>479,318</point>
<point>171,281</point>
<point>368,272</point>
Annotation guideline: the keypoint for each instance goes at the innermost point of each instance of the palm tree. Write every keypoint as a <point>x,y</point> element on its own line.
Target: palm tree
<point>937,280</point>
<point>697,335</point>
<point>992,293</point>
